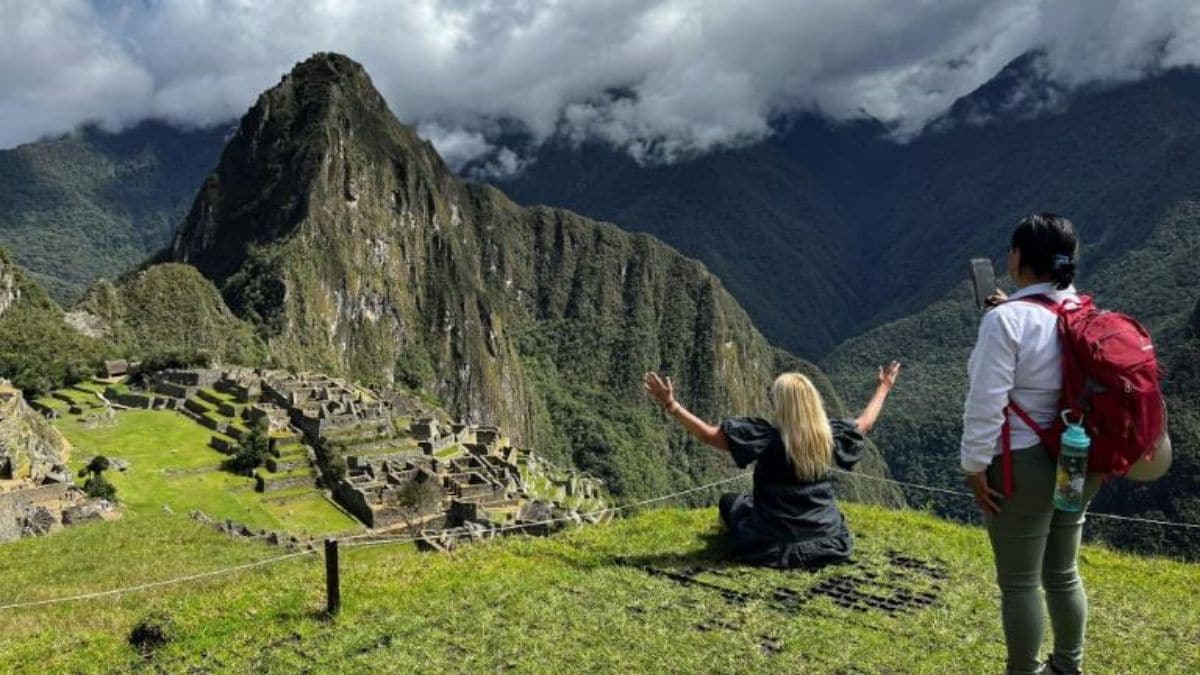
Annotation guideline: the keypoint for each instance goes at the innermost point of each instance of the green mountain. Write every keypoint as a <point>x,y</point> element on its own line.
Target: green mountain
<point>170,313</point>
<point>351,247</point>
<point>38,349</point>
<point>825,231</point>
<point>1119,160</point>
<point>765,219</point>
<point>94,204</point>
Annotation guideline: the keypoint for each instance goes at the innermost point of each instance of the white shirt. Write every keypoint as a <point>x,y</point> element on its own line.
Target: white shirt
<point>1018,357</point>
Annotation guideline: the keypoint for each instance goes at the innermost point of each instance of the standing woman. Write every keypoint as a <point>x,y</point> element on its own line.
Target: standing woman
<point>792,519</point>
<point>1018,358</point>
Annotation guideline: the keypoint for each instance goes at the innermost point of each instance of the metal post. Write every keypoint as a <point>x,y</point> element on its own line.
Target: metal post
<point>333,588</point>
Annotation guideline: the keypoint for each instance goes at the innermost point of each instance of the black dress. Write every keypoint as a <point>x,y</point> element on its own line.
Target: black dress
<point>788,522</point>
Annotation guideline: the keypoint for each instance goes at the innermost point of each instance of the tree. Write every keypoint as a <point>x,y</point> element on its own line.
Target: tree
<point>252,450</point>
<point>97,486</point>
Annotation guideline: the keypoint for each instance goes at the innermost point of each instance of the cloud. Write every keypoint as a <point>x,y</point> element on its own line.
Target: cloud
<point>662,79</point>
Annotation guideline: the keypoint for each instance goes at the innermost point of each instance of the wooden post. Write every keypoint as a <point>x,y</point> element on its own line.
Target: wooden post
<point>333,589</point>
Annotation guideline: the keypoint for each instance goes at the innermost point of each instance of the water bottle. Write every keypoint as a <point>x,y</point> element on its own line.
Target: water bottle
<point>1072,467</point>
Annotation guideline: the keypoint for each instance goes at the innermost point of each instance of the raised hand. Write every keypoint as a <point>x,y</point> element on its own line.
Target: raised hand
<point>998,296</point>
<point>662,391</point>
<point>888,374</point>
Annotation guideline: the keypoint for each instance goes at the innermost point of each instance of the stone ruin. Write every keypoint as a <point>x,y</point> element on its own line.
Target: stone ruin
<point>375,488</point>
<point>318,404</point>
<point>477,494</point>
<point>429,475</point>
<point>36,491</point>
<point>235,529</point>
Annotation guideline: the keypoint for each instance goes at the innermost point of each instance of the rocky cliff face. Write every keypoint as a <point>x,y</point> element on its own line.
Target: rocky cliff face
<point>351,246</point>
<point>30,447</point>
<point>10,291</point>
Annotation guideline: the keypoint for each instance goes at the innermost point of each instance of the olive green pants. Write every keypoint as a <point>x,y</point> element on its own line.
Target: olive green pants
<point>1036,547</point>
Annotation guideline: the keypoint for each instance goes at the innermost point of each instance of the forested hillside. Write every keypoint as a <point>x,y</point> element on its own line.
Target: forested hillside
<point>893,226</point>
<point>826,231</point>
<point>94,204</point>
<point>1156,283</point>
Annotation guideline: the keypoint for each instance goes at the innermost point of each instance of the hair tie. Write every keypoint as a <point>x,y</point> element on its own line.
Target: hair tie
<point>1061,261</point>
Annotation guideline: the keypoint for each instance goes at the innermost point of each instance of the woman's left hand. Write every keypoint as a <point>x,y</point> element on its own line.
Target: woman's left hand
<point>662,391</point>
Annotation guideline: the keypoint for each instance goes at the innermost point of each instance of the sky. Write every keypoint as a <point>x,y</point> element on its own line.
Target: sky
<point>660,79</point>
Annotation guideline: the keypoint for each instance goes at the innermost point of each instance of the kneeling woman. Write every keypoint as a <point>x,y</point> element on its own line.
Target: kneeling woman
<point>792,519</point>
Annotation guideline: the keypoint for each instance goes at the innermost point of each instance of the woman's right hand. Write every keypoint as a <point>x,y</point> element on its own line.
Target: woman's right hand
<point>887,375</point>
<point>988,500</point>
<point>997,297</point>
<point>662,391</point>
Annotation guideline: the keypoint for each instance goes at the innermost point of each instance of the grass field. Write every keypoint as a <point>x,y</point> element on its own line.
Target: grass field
<point>598,599</point>
<point>172,466</point>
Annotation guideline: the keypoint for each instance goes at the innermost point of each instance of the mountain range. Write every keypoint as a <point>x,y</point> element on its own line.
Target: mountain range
<point>844,247</point>
<point>331,237</point>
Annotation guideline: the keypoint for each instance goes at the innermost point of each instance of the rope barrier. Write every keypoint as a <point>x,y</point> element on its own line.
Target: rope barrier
<point>505,528</point>
<point>155,584</point>
<point>960,493</point>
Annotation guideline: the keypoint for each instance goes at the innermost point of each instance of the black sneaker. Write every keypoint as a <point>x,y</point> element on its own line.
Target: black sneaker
<point>1051,668</point>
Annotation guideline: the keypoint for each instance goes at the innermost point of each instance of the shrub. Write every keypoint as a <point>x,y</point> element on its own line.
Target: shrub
<point>419,495</point>
<point>252,451</point>
<point>98,487</point>
<point>98,465</point>
<point>331,458</point>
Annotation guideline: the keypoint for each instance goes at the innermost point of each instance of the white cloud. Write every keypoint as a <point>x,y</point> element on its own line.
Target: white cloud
<point>660,78</point>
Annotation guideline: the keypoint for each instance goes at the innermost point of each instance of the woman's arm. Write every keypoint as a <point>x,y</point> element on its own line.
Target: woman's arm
<point>885,380</point>
<point>663,392</point>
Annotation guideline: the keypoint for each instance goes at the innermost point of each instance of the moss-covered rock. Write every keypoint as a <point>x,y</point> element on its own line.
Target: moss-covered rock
<point>30,447</point>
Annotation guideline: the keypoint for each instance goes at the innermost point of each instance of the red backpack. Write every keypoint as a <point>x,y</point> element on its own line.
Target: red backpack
<point>1110,378</point>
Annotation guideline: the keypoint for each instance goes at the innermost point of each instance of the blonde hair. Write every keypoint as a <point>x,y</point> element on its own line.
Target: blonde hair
<point>801,420</point>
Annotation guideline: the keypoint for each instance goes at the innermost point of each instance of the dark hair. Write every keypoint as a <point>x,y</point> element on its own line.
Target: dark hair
<point>1048,246</point>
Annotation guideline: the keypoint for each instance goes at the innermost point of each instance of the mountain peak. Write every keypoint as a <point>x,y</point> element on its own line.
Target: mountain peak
<point>293,151</point>
<point>331,79</point>
<point>1021,90</point>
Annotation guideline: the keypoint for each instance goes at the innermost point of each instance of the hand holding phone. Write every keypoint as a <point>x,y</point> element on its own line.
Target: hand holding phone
<point>983,279</point>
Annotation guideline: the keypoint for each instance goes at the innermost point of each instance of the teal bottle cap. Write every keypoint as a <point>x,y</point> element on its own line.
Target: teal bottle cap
<point>1075,435</point>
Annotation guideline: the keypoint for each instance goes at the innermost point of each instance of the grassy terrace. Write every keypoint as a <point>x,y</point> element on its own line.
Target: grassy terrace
<point>81,398</point>
<point>583,601</point>
<point>90,386</point>
<point>172,465</point>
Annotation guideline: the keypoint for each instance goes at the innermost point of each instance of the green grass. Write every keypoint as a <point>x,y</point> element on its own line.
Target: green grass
<point>56,404</point>
<point>80,398</point>
<point>171,464</point>
<point>90,386</point>
<point>222,396</point>
<point>563,604</point>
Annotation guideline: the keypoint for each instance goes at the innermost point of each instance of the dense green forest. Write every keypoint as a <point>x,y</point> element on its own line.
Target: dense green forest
<point>94,203</point>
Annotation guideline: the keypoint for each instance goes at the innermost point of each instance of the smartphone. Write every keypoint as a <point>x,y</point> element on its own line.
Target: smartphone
<point>983,279</point>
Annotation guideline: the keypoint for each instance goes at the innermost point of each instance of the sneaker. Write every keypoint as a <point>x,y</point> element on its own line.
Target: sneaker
<point>1051,668</point>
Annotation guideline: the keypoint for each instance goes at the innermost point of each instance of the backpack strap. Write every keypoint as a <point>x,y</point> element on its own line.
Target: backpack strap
<point>1043,300</point>
<point>1060,310</point>
<point>1006,442</point>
